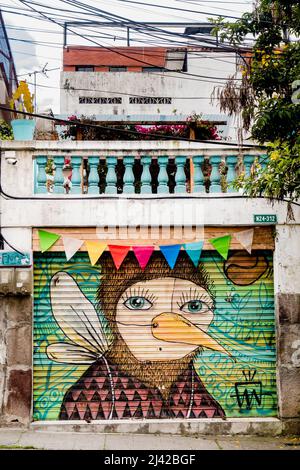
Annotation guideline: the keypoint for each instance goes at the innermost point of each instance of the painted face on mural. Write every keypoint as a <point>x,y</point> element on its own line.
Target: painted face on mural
<point>154,316</point>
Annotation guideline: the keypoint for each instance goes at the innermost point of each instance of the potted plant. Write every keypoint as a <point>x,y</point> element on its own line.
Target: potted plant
<point>23,128</point>
<point>5,131</point>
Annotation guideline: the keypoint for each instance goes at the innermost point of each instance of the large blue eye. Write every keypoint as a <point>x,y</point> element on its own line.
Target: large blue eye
<point>138,303</point>
<point>193,306</point>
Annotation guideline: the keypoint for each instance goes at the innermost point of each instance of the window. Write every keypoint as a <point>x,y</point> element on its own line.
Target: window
<point>118,69</point>
<point>85,68</point>
<point>149,100</point>
<point>153,69</point>
<point>100,100</point>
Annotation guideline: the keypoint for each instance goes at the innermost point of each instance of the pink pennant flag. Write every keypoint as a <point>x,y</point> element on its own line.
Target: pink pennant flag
<point>118,253</point>
<point>143,254</point>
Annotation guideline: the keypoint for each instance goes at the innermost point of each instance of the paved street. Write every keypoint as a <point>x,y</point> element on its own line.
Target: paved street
<point>20,439</point>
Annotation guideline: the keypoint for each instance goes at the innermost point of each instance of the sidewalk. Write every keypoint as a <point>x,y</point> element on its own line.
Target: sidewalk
<point>19,439</point>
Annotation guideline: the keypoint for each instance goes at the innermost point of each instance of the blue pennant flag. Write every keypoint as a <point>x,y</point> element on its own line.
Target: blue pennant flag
<point>170,252</point>
<point>194,251</point>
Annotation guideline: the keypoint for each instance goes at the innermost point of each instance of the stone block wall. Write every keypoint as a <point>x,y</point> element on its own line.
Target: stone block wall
<point>288,360</point>
<point>15,359</point>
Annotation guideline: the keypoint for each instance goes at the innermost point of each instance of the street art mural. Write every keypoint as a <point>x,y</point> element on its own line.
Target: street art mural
<point>155,343</point>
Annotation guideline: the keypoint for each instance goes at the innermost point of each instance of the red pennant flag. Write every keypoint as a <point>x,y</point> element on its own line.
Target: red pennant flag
<point>118,253</point>
<point>143,254</point>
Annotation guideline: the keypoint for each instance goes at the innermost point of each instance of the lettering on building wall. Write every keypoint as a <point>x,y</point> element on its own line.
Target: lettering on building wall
<point>100,100</point>
<point>149,100</point>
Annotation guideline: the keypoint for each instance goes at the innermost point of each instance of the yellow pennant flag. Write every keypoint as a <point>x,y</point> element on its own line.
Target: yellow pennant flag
<point>95,250</point>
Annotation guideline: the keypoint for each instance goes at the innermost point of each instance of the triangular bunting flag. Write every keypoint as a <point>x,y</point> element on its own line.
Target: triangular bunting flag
<point>221,244</point>
<point>95,250</point>
<point>143,254</point>
<point>245,238</point>
<point>170,252</point>
<point>47,239</point>
<point>118,253</point>
<point>194,251</point>
<point>71,246</point>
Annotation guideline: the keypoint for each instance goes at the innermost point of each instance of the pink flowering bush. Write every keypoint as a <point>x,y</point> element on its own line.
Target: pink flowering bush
<point>193,128</point>
<point>163,129</point>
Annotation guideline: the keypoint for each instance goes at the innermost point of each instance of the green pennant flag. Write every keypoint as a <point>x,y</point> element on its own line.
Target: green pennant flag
<point>221,244</point>
<point>47,239</point>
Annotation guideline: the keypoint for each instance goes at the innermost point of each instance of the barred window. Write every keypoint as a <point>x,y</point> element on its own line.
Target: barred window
<point>100,100</point>
<point>149,100</point>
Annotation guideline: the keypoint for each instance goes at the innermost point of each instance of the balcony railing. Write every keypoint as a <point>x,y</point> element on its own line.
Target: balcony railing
<point>108,168</point>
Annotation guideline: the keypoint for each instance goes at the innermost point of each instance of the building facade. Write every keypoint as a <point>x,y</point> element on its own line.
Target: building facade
<point>132,312</point>
<point>8,76</point>
<point>145,84</point>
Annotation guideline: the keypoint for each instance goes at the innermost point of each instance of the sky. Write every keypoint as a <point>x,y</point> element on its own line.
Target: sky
<point>38,42</point>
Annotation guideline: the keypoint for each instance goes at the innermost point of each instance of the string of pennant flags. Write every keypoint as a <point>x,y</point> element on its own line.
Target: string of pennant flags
<point>143,252</point>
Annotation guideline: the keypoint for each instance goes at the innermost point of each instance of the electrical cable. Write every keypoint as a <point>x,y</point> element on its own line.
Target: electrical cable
<point>114,92</point>
<point>119,53</point>
<point>193,53</point>
<point>7,242</point>
<point>74,3</point>
<point>49,19</point>
<point>96,11</point>
<point>188,46</point>
<point>186,74</point>
<point>31,73</point>
<point>126,131</point>
<point>180,9</point>
<point>127,22</point>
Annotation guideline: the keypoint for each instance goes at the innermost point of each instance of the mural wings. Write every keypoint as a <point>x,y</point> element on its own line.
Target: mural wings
<point>78,319</point>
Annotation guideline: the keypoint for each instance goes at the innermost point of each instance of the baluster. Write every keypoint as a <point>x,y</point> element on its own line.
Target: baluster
<point>215,176</point>
<point>59,177</point>
<point>180,175</point>
<point>163,177</point>
<point>93,183</point>
<point>263,160</point>
<point>231,162</point>
<point>146,176</point>
<point>111,176</point>
<point>248,162</point>
<point>76,176</point>
<point>128,187</point>
<point>41,179</point>
<point>198,174</point>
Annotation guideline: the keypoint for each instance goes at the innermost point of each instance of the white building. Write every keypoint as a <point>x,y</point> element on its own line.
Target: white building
<point>119,84</point>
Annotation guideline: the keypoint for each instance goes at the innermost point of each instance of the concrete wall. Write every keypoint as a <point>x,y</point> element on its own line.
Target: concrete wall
<point>287,295</point>
<point>19,216</point>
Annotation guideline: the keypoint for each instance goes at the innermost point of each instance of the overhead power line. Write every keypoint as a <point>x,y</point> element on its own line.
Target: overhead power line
<point>179,9</point>
<point>118,52</point>
<point>92,13</point>
<point>124,131</point>
<point>115,92</point>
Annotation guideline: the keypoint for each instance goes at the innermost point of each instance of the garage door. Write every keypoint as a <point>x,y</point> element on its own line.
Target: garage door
<point>154,344</point>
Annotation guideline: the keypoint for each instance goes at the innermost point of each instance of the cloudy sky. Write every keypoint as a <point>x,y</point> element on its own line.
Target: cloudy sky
<point>36,35</point>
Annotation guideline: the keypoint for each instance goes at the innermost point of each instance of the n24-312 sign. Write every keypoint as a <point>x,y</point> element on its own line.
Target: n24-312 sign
<point>265,218</point>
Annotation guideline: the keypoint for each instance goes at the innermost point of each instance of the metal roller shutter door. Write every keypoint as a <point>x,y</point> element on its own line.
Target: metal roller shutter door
<point>229,369</point>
